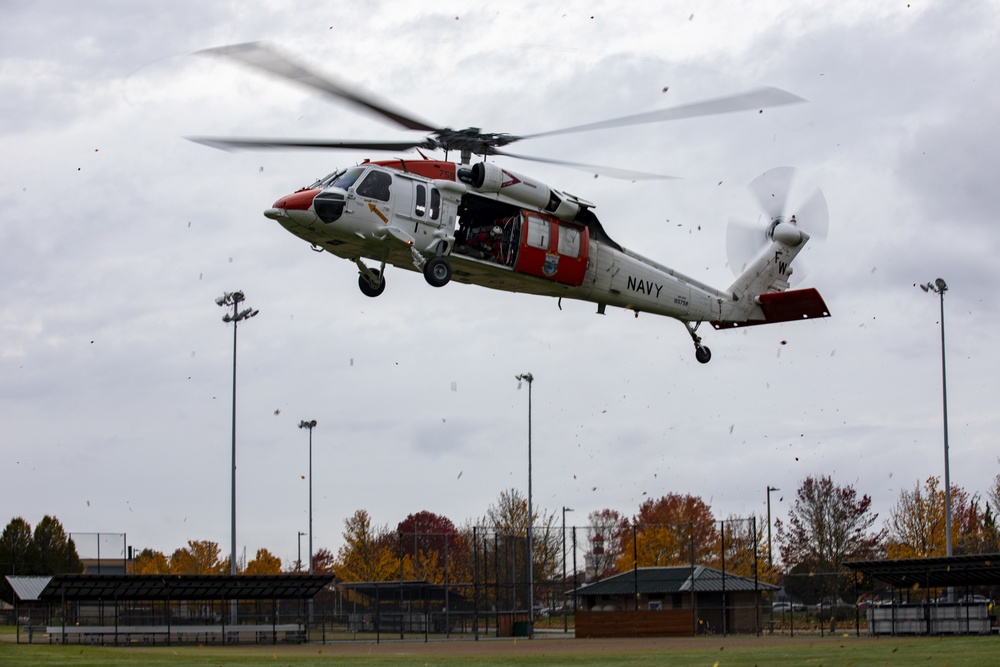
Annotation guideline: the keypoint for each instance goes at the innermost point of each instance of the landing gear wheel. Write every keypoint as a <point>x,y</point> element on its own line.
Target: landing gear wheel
<point>366,287</point>
<point>703,355</point>
<point>437,271</point>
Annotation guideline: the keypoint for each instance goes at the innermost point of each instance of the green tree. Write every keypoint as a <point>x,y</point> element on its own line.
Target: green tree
<point>15,547</point>
<point>53,552</point>
<point>15,554</point>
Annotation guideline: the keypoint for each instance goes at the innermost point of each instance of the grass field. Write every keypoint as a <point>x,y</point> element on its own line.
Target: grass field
<point>843,651</point>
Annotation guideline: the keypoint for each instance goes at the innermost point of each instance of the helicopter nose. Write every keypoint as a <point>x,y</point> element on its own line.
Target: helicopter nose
<point>296,206</point>
<point>297,201</point>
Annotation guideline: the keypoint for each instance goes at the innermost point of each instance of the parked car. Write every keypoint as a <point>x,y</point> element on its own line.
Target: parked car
<point>974,599</point>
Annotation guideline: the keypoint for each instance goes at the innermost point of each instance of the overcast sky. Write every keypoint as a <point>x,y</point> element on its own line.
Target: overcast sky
<point>116,234</point>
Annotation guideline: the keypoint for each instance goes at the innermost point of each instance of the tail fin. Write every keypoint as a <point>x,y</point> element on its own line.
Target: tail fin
<point>759,297</point>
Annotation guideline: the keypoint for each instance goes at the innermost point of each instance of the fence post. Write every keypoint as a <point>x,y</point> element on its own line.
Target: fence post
<point>722,548</point>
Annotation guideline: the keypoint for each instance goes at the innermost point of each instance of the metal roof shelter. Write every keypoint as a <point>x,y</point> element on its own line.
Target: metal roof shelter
<point>675,579</point>
<point>956,571</point>
<point>109,587</point>
<point>88,601</point>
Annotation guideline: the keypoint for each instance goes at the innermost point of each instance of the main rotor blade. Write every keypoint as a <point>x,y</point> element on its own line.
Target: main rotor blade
<point>753,99</point>
<point>231,144</point>
<point>771,190</point>
<point>256,54</point>
<point>613,172</point>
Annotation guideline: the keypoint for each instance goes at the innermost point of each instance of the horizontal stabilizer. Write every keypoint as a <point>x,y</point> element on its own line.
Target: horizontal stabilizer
<point>803,304</point>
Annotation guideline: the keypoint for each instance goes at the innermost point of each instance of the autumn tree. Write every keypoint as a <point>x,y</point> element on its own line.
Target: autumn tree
<point>745,547</point>
<point>993,496</point>
<point>369,554</point>
<point>508,519</point>
<point>827,525</point>
<point>150,562</point>
<point>673,530</point>
<point>604,548</point>
<point>917,523</point>
<point>199,557</point>
<point>509,515</point>
<point>264,563</point>
<point>323,561</point>
<point>433,549</point>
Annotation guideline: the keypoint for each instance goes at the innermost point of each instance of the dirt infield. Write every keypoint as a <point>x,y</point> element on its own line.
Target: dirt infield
<point>563,646</point>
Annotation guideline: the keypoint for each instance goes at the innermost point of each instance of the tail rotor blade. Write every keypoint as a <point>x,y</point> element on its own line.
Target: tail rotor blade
<point>771,190</point>
<point>813,216</point>
<point>744,241</point>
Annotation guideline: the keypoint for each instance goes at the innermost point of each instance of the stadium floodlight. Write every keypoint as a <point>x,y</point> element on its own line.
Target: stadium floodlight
<point>233,299</point>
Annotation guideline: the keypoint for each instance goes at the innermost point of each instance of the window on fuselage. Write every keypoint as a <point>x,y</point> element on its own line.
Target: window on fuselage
<point>539,232</point>
<point>421,201</point>
<point>569,241</point>
<point>375,186</point>
<point>435,204</point>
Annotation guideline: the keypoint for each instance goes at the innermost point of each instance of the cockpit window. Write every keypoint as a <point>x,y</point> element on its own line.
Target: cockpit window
<point>346,179</point>
<point>326,180</point>
<point>375,186</point>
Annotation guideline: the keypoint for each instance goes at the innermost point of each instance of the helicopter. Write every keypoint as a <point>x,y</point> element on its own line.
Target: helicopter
<point>483,224</point>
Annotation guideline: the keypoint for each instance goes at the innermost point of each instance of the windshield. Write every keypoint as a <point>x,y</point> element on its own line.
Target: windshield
<point>326,180</point>
<point>342,178</point>
<point>347,178</point>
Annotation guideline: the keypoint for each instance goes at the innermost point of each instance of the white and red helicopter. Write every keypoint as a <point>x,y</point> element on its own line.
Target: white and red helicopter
<point>482,224</point>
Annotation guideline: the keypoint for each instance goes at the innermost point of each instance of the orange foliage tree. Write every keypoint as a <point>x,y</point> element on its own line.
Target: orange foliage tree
<point>264,563</point>
<point>673,530</point>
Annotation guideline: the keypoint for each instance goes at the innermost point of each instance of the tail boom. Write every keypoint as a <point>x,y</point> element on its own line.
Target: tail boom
<point>790,306</point>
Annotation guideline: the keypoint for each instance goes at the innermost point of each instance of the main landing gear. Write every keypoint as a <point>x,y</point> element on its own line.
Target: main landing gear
<point>701,352</point>
<point>371,281</point>
<point>437,271</point>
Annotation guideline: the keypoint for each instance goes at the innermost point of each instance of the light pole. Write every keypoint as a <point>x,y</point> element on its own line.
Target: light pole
<point>234,299</point>
<point>939,287</point>
<point>310,425</point>
<point>529,378</point>
<point>564,510</point>
<point>298,566</point>
<point>770,556</point>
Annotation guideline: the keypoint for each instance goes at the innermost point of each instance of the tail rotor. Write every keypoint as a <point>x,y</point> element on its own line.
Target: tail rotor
<point>746,240</point>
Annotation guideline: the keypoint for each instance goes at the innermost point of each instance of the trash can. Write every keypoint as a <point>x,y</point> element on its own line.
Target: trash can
<point>522,629</point>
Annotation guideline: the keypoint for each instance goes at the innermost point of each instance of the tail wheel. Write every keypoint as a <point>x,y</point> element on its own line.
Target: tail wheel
<point>366,287</point>
<point>437,271</point>
<point>702,354</point>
